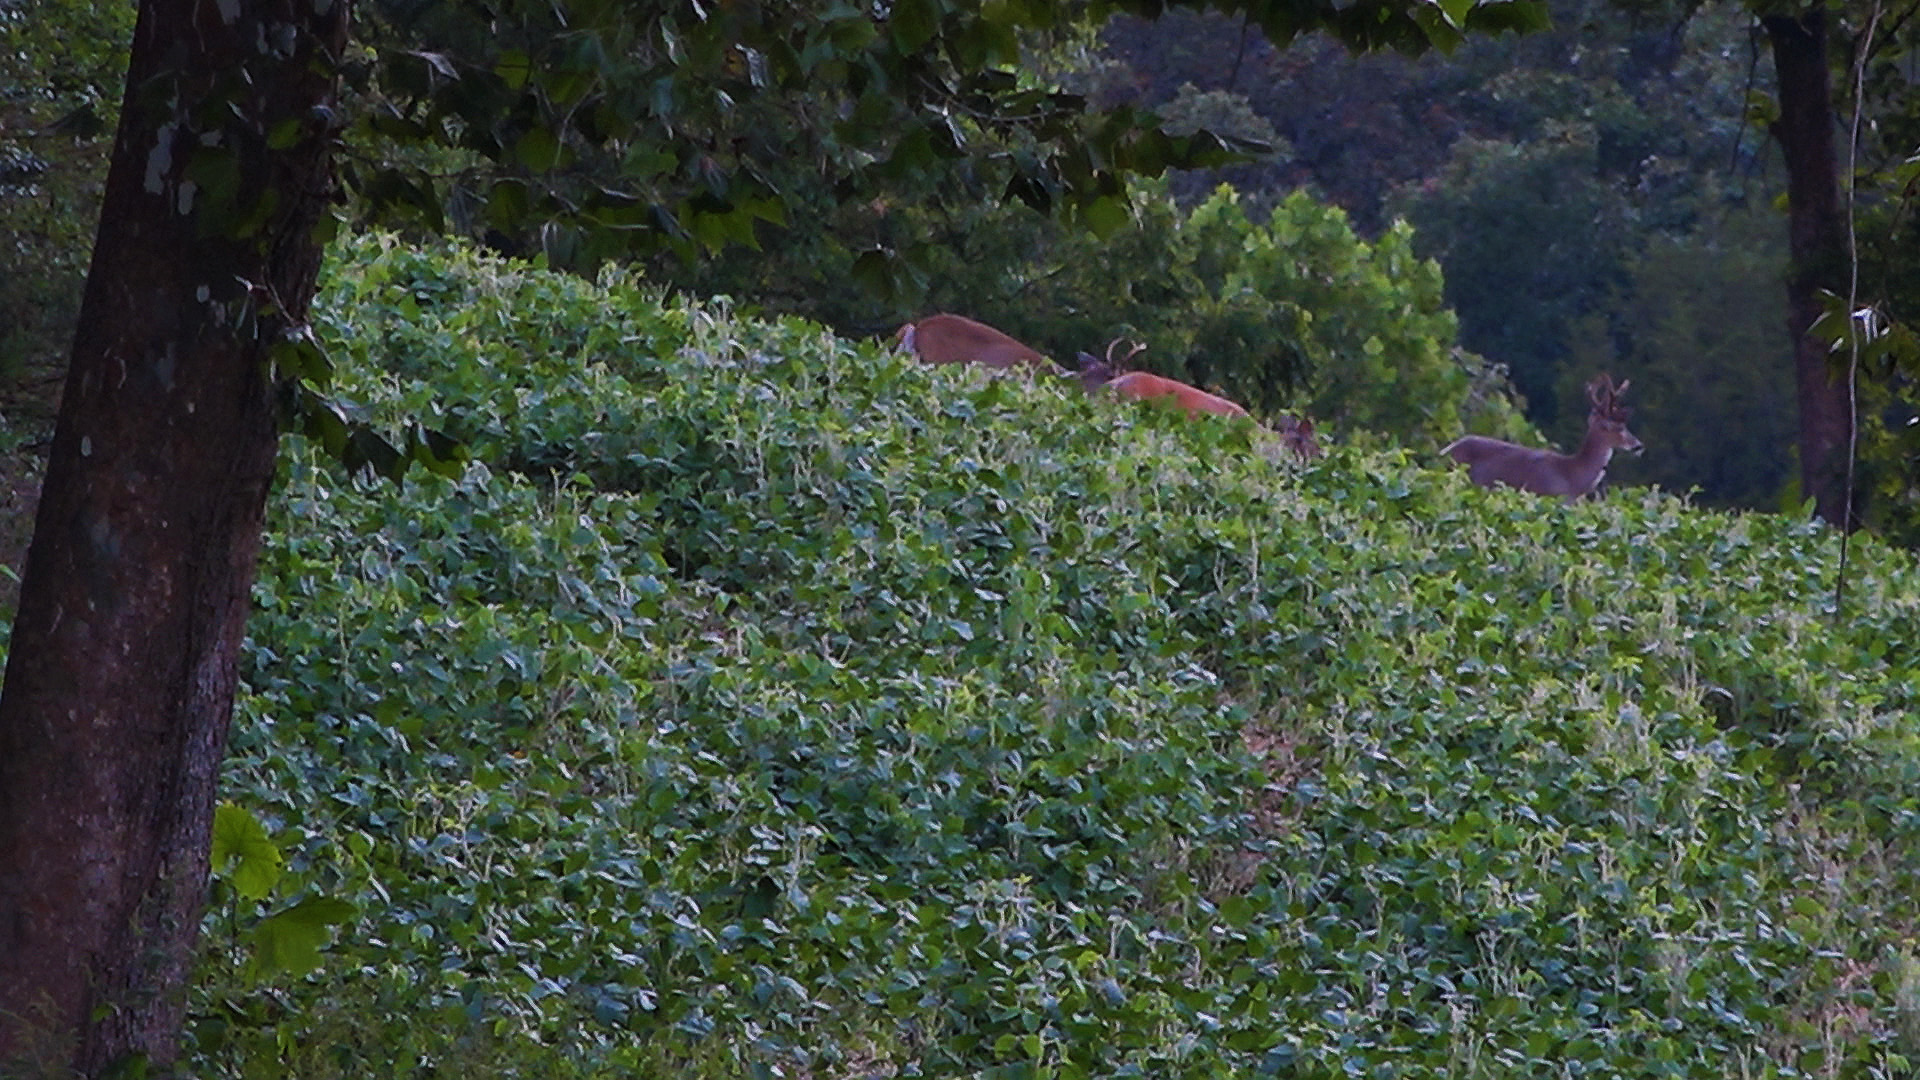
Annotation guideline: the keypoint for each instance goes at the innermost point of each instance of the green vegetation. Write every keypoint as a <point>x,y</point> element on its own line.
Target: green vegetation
<point>1599,197</point>
<point>761,704</point>
<point>1295,311</point>
<point>61,65</point>
<point>1288,309</point>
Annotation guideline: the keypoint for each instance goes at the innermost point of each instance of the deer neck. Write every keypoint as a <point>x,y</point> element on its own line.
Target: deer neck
<point>1595,451</point>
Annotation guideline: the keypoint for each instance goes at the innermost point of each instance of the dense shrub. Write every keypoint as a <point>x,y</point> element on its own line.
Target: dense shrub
<point>761,704</point>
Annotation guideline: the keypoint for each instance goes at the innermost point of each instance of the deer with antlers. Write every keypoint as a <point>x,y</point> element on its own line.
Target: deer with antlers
<point>1144,385</point>
<point>1545,472</point>
<point>1296,433</point>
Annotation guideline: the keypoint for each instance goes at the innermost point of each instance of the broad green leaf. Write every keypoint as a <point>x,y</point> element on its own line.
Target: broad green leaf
<point>1106,216</point>
<point>913,23</point>
<point>290,941</point>
<point>243,853</point>
<point>539,149</point>
<point>514,67</point>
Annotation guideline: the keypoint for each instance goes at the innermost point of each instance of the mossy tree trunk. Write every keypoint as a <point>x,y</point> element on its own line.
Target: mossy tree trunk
<point>123,662</point>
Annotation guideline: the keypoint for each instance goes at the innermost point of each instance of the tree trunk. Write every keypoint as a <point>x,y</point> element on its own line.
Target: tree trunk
<point>1817,242</point>
<point>121,671</point>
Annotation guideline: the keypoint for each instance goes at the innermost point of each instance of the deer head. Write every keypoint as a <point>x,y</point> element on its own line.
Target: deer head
<point>1095,372</point>
<point>1608,417</point>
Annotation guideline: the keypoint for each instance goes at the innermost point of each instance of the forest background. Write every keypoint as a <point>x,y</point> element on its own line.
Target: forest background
<point>1600,196</point>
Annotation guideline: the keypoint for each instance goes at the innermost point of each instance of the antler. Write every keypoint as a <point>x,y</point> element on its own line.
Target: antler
<point>1605,396</point>
<point>1135,351</point>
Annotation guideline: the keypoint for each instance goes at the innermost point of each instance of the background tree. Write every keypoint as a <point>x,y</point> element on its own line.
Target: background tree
<point>62,66</point>
<point>1885,159</point>
<point>1534,240</point>
<point>1293,312</point>
<point>1696,326</point>
<point>1803,125</point>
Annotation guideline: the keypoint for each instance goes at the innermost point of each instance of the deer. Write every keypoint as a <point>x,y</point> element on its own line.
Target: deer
<point>1296,437</point>
<point>1096,373</point>
<point>1296,432</point>
<point>1546,472</point>
<point>956,339</point>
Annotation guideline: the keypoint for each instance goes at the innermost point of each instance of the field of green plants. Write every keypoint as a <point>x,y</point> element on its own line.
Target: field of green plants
<point>762,704</point>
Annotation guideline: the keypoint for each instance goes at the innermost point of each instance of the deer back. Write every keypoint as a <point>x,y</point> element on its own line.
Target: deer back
<point>956,339</point>
<point>1096,373</point>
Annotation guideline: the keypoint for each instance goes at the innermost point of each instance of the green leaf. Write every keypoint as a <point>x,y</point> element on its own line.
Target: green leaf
<point>877,271</point>
<point>300,356</point>
<point>438,452</point>
<point>514,67</point>
<point>243,853</point>
<point>913,23</point>
<point>290,942</point>
<point>539,149</point>
<point>1107,216</point>
<point>322,421</point>
<point>368,449</point>
<point>1438,27</point>
<point>647,160</point>
<point>770,209</point>
<point>285,134</point>
<point>509,204</point>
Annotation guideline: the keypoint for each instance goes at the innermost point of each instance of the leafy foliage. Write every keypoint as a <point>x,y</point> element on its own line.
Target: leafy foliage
<point>1293,312</point>
<point>1533,243</point>
<point>246,868</point>
<point>756,703</point>
<point>613,129</point>
<point>1872,332</point>
<point>60,67</point>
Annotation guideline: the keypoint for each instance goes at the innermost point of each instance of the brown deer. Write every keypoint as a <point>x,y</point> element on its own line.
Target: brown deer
<point>956,339</point>
<point>1296,433</point>
<point>1545,472</point>
<point>1095,373</point>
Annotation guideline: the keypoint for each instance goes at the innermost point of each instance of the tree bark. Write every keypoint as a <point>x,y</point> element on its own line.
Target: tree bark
<point>123,661</point>
<point>1817,243</point>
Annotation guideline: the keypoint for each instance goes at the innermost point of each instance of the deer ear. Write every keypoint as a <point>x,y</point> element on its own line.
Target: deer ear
<point>1088,361</point>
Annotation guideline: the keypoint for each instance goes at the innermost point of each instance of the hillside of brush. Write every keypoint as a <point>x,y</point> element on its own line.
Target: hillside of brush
<point>761,704</point>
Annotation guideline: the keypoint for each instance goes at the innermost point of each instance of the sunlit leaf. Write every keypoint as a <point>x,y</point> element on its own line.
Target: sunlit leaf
<point>243,853</point>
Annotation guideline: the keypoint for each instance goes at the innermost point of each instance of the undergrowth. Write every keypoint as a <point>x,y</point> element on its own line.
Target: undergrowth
<point>764,704</point>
